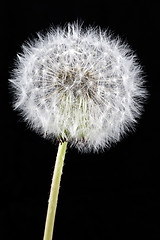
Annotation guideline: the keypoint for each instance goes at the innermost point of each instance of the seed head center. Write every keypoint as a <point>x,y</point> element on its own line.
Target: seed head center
<point>78,82</point>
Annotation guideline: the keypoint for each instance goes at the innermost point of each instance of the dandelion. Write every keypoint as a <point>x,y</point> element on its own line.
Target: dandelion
<point>80,86</point>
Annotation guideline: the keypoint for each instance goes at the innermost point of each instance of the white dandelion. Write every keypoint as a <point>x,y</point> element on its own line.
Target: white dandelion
<point>79,85</point>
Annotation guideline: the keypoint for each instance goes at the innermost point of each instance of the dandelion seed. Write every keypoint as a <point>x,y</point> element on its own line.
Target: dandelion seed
<point>73,65</point>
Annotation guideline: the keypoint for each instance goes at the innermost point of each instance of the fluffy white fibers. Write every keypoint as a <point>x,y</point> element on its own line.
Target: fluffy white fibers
<point>80,85</point>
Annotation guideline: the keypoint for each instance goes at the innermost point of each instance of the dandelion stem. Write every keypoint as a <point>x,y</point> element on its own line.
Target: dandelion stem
<point>52,204</point>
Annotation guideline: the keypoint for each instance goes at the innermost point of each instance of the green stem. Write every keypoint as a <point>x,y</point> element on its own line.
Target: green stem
<point>52,204</point>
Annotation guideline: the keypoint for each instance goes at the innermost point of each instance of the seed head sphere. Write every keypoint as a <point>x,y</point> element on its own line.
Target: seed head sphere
<point>80,85</point>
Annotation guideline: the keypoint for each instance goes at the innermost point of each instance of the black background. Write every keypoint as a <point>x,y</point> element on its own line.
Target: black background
<point>109,195</point>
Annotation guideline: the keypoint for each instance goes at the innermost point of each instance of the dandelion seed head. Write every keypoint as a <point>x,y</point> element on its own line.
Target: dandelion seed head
<point>81,85</point>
